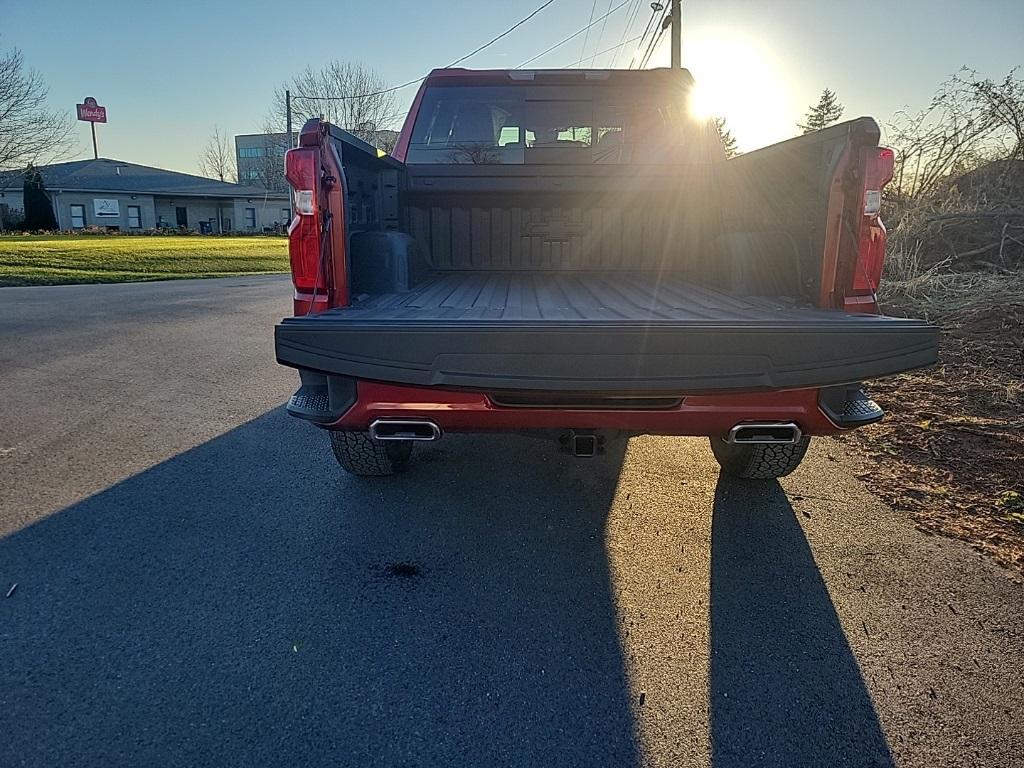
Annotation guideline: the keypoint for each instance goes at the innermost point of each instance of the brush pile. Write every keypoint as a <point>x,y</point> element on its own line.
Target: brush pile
<point>951,451</point>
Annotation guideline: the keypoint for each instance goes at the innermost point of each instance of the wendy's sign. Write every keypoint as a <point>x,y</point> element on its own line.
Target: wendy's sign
<point>91,112</point>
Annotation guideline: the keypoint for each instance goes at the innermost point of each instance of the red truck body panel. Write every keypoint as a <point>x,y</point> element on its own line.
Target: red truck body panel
<point>462,411</point>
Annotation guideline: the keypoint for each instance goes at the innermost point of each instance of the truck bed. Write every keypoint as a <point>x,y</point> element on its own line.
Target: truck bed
<point>515,296</point>
<point>597,332</point>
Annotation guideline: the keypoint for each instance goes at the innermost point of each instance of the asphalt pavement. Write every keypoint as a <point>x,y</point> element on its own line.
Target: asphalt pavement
<point>198,584</point>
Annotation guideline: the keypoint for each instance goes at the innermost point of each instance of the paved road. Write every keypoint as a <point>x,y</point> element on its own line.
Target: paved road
<point>197,585</point>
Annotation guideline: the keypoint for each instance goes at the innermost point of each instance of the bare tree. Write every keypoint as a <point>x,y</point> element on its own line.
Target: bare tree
<point>345,93</point>
<point>29,132</point>
<point>956,197</point>
<point>386,140</point>
<point>970,121</point>
<point>1002,106</point>
<point>218,159</point>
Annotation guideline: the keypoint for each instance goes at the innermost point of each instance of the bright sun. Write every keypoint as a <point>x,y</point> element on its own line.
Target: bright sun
<point>740,80</point>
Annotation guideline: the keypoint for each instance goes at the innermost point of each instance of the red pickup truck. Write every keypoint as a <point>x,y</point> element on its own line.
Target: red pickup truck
<point>570,253</point>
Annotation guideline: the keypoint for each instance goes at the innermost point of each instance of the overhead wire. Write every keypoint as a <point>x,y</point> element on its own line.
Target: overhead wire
<point>586,38</point>
<point>651,48</point>
<point>655,38</point>
<point>459,60</point>
<point>609,50</point>
<point>600,36</point>
<point>578,32</point>
<point>495,39</point>
<point>647,29</point>
<point>631,16</point>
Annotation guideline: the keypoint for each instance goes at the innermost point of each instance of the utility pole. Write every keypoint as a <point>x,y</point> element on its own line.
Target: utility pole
<point>677,35</point>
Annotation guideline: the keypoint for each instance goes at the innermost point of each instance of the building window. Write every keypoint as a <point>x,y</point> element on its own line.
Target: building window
<point>134,217</point>
<point>250,152</point>
<point>77,216</point>
<point>250,218</point>
<point>286,215</point>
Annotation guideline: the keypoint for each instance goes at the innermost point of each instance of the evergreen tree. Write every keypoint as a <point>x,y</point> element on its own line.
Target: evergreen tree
<point>824,113</point>
<point>726,137</point>
<point>38,209</point>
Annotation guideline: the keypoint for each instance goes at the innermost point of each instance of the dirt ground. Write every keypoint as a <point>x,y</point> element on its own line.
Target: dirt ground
<point>951,449</point>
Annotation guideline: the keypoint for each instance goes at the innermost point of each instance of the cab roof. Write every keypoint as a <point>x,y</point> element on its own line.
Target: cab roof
<point>646,77</point>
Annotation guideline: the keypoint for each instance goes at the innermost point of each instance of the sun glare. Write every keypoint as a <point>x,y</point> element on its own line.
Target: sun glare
<point>739,79</point>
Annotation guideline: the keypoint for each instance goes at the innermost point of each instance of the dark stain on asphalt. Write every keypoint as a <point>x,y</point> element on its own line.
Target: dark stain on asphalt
<point>403,570</point>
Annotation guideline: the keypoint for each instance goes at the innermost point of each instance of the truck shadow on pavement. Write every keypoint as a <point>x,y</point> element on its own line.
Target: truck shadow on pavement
<point>244,603</point>
<point>785,687</point>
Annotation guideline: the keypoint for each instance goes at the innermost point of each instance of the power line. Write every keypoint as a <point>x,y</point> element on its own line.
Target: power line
<point>361,95</point>
<point>459,60</point>
<point>600,36</point>
<point>574,34</point>
<point>583,50</point>
<point>650,20</point>
<point>655,9</point>
<point>655,39</point>
<point>609,49</point>
<point>612,48</point>
<point>507,31</point>
<point>631,15</point>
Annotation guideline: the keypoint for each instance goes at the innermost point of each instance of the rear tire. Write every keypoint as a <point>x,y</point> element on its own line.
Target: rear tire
<point>759,462</point>
<point>361,455</point>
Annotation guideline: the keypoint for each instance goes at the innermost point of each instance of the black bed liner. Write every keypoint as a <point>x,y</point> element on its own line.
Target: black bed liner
<point>593,332</point>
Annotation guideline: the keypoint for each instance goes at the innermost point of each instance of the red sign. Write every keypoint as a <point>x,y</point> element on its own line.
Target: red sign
<point>91,112</point>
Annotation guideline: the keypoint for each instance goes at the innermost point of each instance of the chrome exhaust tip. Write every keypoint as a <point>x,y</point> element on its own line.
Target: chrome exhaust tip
<point>404,429</point>
<point>768,432</point>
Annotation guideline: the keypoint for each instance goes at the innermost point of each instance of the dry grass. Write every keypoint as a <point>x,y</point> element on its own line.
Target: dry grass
<point>951,452</point>
<point>938,294</point>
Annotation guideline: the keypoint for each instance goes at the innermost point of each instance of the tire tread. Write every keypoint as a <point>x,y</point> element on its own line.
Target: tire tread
<point>759,462</point>
<point>361,455</point>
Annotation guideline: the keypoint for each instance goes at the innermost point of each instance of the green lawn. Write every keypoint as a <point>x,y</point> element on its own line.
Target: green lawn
<point>62,259</point>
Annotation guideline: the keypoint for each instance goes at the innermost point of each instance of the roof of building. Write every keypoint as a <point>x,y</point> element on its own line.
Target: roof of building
<point>106,175</point>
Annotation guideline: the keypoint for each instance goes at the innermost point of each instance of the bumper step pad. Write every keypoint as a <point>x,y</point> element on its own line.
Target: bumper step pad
<point>850,406</point>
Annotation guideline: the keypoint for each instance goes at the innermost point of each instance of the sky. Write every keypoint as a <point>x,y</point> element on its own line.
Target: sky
<point>168,73</point>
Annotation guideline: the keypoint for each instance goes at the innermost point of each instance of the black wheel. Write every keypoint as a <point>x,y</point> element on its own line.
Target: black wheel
<point>359,454</point>
<point>759,462</point>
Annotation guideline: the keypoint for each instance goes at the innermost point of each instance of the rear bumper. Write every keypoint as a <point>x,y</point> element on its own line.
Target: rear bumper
<point>593,356</point>
<point>465,411</point>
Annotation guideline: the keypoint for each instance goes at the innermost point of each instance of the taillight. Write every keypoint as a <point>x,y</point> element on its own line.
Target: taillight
<point>302,169</point>
<point>305,203</point>
<point>878,164</point>
<point>870,257</point>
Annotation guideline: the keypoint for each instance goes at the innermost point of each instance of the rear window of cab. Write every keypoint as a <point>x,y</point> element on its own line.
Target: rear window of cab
<point>536,124</point>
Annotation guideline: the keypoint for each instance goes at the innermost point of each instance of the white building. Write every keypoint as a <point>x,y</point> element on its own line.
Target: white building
<point>126,196</point>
